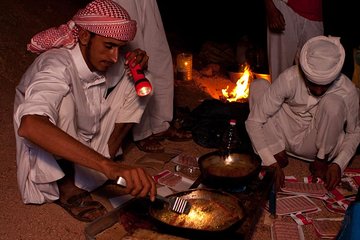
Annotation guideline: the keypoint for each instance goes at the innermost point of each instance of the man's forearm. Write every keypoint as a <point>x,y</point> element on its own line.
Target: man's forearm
<point>117,137</point>
<point>40,131</point>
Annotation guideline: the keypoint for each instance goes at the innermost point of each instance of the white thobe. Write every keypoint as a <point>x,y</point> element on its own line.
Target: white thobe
<point>151,37</point>
<point>284,116</point>
<point>284,48</point>
<point>59,85</point>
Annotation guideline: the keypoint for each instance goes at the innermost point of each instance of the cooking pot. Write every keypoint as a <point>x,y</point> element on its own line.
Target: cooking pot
<point>233,169</point>
<point>212,212</point>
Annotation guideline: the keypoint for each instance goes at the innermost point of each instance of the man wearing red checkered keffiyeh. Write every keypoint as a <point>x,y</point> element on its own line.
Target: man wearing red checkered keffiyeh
<point>102,17</point>
<point>69,127</point>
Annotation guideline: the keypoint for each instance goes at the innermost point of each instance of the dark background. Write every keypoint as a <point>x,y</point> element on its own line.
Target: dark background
<point>226,21</point>
<point>198,21</point>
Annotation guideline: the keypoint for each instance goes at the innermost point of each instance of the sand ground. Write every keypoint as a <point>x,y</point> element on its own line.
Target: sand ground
<point>20,20</point>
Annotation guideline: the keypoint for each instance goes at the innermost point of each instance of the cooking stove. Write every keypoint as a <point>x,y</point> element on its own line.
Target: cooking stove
<point>238,189</point>
<point>232,190</point>
<point>251,196</point>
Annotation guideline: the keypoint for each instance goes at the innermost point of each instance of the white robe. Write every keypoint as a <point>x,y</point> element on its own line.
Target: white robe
<point>60,85</point>
<point>284,48</point>
<point>151,37</point>
<point>284,116</point>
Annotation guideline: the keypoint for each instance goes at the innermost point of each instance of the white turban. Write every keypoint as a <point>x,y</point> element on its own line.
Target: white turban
<point>321,59</point>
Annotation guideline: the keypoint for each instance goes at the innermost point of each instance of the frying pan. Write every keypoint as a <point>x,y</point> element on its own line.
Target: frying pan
<point>219,170</point>
<point>212,212</point>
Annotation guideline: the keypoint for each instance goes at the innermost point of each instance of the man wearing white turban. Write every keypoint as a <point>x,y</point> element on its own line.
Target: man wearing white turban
<point>311,111</point>
<point>68,125</point>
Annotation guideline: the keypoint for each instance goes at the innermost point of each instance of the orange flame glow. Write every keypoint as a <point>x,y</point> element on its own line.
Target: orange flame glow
<point>241,90</point>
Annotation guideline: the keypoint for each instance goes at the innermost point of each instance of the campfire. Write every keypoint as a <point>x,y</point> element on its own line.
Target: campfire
<point>232,88</point>
<point>240,92</point>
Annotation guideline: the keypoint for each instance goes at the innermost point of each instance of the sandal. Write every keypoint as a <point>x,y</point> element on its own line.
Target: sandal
<point>83,208</point>
<point>174,134</point>
<point>150,145</point>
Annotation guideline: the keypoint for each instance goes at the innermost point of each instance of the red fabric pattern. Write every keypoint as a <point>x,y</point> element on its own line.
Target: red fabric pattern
<point>103,17</point>
<point>310,9</point>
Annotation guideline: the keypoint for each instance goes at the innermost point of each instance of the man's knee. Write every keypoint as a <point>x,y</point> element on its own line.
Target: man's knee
<point>332,105</point>
<point>259,84</point>
<point>257,89</point>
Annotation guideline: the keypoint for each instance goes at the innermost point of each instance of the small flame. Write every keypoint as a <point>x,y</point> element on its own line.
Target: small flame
<point>241,90</point>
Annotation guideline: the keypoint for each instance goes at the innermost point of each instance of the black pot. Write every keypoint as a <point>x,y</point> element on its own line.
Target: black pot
<point>233,169</point>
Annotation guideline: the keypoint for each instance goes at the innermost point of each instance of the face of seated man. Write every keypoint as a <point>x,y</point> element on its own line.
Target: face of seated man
<point>99,52</point>
<point>316,90</point>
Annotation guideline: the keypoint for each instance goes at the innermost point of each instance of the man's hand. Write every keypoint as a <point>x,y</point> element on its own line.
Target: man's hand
<point>318,169</point>
<point>333,176</point>
<point>275,19</point>
<point>137,56</point>
<point>138,182</point>
<point>282,159</point>
<point>279,176</point>
<point>329,173</point>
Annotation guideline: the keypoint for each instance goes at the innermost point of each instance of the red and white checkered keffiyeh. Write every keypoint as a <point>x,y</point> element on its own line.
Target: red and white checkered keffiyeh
<point>103,17</point>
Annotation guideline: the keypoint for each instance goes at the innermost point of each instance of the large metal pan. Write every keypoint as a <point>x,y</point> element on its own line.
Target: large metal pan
<point>212,212</point>
<point>233,169</point>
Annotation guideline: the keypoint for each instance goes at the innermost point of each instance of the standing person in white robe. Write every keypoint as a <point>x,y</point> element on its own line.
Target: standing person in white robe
<point>290,24</point>
<point>68,129</point>
<point>311,111</point>
<point>151,37</point>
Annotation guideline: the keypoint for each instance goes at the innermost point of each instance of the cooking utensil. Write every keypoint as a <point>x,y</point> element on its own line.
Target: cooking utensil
<point>221,170</point>
<point>212,211</point>
<point>173,203</point>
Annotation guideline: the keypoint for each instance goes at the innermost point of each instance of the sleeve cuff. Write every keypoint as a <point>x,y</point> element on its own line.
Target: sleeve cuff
<point>342,160</point>
<point>267,157</point>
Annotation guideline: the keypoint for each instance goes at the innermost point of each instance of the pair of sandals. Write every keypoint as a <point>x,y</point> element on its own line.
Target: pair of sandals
<point>152,144</point>
<point>82,207</point>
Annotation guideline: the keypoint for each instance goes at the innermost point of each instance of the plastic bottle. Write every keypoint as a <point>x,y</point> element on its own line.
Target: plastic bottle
<point>188,170</point>
<point>187,164</point>
<point>230,138</point>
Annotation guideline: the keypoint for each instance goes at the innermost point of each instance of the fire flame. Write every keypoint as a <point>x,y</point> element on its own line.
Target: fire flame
<point>241,90</point>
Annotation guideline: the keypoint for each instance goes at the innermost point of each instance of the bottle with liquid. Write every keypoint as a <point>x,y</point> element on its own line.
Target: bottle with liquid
<point>189,171</point>
<point>187,164</point>
<point>230,139</point>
